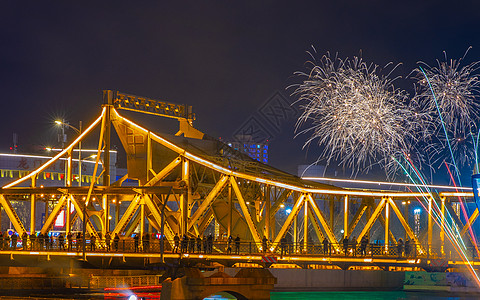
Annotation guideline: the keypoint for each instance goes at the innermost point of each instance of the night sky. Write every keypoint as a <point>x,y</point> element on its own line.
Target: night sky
<point>225,58</point>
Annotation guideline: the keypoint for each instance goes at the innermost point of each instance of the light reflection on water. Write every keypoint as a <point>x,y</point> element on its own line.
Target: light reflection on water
<point>379,295</point>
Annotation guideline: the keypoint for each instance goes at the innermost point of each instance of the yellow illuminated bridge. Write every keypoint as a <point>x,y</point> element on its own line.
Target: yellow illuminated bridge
<point>192,186</point>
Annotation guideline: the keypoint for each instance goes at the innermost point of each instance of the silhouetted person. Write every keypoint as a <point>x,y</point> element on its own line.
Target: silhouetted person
<point>237,245</point>
<point>400,248</point>
<point>264,244</point>
<point>283,246</point>
<point>61,242</point>
<point>93,240</point>
<point>69,241</point>
<point>353,243</point>
<point>326,245</point>
<point>345,245</point>
<point>135,242</point>
<point>408,248</point>
<point>108,240</point>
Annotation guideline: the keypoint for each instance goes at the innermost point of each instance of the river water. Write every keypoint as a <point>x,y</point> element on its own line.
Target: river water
<point>394,295</point>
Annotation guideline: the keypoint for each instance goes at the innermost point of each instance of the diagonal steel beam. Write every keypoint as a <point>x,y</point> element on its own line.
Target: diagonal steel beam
<point>322,220</point>
<point>127,215</point>
<point>470,222</point>
<point>53,215</point>
<point>208,200</point>
<point>357,217</point>
<point>405,225</point>
<point>372,219</point>
<point>12,215</point>
<point>315,224</point>
<point>246,213</point>
<point>163,173</point>
<point>91,230</point>
<point>295,209</point>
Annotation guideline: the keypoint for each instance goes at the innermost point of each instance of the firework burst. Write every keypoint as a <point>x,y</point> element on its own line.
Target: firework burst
<point>354,113</point>
<point>448,93</point>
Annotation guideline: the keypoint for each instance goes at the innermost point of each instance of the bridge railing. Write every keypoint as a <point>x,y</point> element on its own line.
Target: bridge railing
<point>206,246</point>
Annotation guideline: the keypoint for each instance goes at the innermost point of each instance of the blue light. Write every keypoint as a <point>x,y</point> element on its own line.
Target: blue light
<point>288,211</point>
<point>417,211</point>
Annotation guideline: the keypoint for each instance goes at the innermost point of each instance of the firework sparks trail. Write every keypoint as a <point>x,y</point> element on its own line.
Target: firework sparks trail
<point>451,232</point>
<point>355,114</point>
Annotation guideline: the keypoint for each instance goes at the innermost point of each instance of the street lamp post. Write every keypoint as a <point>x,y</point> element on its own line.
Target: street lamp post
<point>84,207</point>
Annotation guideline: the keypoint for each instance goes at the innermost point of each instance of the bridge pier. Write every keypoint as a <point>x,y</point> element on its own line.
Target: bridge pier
<point>254,284</point>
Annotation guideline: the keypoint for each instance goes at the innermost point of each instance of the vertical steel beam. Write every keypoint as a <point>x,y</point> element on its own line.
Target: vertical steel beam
<point>305,227</point>
<point>345,217</point>
<point>67,214</point>
<point>108,103</point>
<point>267,212</point>
<point>430,223</point>
<point>142,218</point>
<point>295,232</point>
<point>387,223</point>
<point>32,207</point>
<point>184,197</point>
<point>149,156</point>
<point>331,211</point>
<point>230,211</point>
<point>442,226</point>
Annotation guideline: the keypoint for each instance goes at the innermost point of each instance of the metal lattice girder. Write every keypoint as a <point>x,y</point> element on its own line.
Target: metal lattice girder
<point>12,215</point>
<point>322,220</point>
<point>128,215</point>
<point>90,229</point>
<point>208,200</point>
<point>246,213</point>
<point>53,215</point>
<point>470,222</point>
<point>372,219</point>
<point>289,220</point>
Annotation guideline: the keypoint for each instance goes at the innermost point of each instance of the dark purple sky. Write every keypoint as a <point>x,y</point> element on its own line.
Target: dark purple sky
<point>225,58</point>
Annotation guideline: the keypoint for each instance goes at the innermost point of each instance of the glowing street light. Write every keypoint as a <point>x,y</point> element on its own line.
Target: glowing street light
<point>79,131</point>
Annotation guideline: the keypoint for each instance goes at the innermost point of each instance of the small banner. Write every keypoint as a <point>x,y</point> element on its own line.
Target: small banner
<point>476,187</point>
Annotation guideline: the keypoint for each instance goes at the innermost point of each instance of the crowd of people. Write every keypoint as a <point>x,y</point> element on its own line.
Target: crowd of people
<point>74,241</point>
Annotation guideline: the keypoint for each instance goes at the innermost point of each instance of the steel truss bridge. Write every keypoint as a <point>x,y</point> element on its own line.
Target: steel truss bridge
<point>189,183</point>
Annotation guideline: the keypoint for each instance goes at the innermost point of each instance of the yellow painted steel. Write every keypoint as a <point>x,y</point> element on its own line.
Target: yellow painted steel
<point>128,215</point>
<point>246,213</point>
<point>345,216</point>
<point>164,172</point>
<point>305,226</point>
<point>387,223</point>
<point>442,225</point>
<point>32,206</point>
<point>56,157</point>
<point>12,215</point>
<point>430,224</point>
<point>470,222</point>
<point>404,223</point>
<point>321,218</point>
<point>207,201</point>
<point>53,215</point>
<point>289,220</point>
<point>315,224</point>
<point>358,215</point>
<point>90,229</point>
<point>372,219</point>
